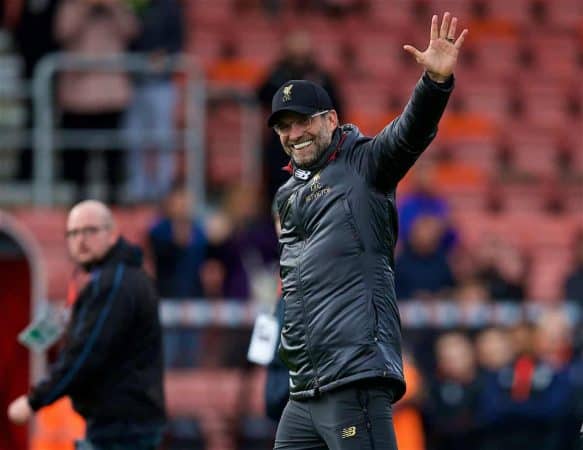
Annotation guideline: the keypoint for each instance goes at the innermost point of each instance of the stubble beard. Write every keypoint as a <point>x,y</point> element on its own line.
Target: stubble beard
<point>319,145</point>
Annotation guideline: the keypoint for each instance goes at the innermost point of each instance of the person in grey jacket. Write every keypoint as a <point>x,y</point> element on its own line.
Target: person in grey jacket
<point>341,336</point>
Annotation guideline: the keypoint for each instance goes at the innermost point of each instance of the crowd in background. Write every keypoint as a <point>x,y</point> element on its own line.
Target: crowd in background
<point>491,388</point>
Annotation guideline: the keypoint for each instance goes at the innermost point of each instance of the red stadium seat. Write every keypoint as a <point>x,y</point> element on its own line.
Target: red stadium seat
<point>488,97</point>
<point>564,14</point>
<point>517,11</point>
<point>495,55</point>
<point>553,52</point>
<point>544,103</point>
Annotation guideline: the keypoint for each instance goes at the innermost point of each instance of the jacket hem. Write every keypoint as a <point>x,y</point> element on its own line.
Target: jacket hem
<point>398,391</point>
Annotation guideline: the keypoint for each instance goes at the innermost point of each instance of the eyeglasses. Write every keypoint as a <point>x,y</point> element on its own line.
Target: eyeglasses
<point>303,122</point>
<point>88,231</point>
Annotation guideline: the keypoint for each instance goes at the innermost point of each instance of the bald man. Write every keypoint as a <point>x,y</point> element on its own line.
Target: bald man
<point>111,364</point>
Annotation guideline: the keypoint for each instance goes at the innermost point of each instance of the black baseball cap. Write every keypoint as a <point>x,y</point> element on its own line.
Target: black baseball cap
<point>301,96</point>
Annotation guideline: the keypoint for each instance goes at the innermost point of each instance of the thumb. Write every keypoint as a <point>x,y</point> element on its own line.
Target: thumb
<point>416,53</point>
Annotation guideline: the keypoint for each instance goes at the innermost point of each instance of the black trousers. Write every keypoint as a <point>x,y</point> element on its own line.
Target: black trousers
<point>75,161</point>
<point>353,417</point>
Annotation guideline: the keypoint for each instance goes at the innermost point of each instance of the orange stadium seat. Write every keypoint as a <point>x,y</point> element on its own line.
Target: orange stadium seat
<point>462,124</point>
<point>500,26</point>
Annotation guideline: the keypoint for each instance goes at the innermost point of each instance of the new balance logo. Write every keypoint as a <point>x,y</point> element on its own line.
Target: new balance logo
<point>302,174</point>
<point>348,432</point>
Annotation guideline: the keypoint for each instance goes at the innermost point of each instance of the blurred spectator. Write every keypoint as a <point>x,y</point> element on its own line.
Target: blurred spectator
<point>503,269</point>
<point>407,417</point>
<point>297,62</point>
<point>92,99</point>
<point>521,338</point>
<point>32,24</point>
<point>470,295</point>
<point>451,410</point>
<point>573,285</point>
<point>231,69</point>
<point>493,349</point>
<point>422,198</point>
<point>149,122</point>
<point>422,269</point>
<point>553,339</point>
<point>178,243</point>
<point>246,245</point>
<point>527,404</point>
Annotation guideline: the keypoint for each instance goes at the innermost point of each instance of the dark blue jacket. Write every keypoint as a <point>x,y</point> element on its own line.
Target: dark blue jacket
<point>111,364</point>
<point>178,267</point>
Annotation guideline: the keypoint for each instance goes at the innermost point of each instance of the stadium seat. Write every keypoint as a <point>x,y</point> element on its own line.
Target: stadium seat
<point>545,104</point>
<point>396,13</point>
<point>564,14</point>
<point>517,11</point>
<point>553,52</point>
<point>495,55</point>
<point>486,96</point>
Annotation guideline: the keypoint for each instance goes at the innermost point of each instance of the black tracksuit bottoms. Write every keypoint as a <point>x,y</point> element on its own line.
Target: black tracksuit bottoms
<point>352,417</point>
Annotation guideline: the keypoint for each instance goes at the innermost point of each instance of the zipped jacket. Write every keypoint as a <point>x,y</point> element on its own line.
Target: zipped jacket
<point>111,364</point>
<point>339,229</point>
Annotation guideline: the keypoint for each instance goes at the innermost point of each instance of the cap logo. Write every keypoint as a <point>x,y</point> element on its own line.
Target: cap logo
<point>287,91</point>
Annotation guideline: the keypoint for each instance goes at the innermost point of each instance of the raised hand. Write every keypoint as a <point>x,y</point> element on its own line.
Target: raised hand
<point>19,411</point>
<point>440,57</point>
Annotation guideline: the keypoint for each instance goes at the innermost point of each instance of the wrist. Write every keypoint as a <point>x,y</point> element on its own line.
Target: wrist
<point>437,77</point>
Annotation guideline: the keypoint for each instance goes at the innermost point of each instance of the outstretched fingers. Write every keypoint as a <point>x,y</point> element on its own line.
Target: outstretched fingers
<point>416,53</point>
<point>434,33</point>
<point>460,40</point>
<point>443,32</point>
<point>451,31</point>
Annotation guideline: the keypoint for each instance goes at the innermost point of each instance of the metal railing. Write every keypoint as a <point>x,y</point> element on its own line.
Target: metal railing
<point>415,314</point>
<point>48,138</point>
<point>45,134</point>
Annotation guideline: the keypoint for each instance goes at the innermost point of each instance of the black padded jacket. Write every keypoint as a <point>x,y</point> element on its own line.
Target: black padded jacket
<point>339,229</point>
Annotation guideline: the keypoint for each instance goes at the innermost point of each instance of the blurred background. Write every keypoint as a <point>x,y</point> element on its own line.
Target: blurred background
<point>158,107</point>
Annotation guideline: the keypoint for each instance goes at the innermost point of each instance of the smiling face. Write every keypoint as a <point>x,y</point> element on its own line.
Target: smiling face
<point>307,140</point>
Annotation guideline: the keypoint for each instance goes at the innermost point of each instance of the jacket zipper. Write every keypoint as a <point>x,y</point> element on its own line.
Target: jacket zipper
<point>357,238</point>
<point>375,329</point>
<point>352,224</point>
<point>301,293</point>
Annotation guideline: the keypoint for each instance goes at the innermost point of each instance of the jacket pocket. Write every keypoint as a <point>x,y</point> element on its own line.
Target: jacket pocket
<point>352,223</point>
